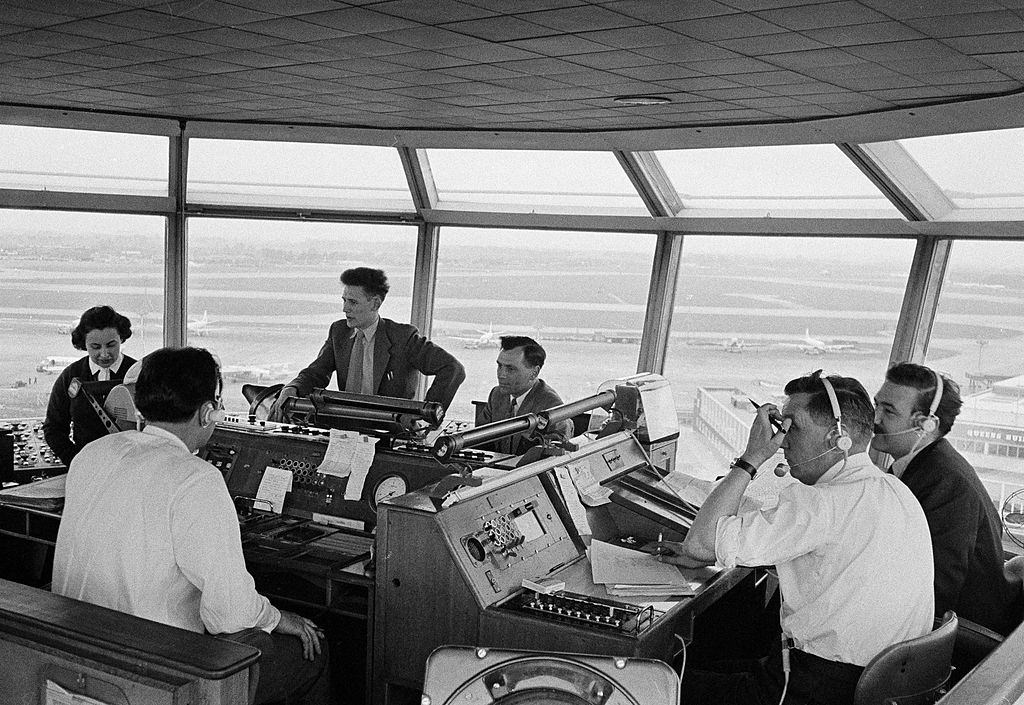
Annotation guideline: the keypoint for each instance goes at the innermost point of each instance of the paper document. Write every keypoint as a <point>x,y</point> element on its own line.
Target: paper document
<point>617,565</point>
<point>590,490</point>
<point>572,500</point>
<point>276,483</point>
<point>349,454</point>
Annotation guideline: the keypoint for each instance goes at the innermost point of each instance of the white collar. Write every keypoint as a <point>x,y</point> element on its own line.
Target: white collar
<point>95,369</point>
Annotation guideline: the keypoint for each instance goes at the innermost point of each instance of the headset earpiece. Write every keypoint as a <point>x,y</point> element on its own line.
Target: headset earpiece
<point>841,439</point>
<point>931,422</point>
<point>211,414</point>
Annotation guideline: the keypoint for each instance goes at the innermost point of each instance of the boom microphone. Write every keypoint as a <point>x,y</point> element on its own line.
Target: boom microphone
<point>782,468</point>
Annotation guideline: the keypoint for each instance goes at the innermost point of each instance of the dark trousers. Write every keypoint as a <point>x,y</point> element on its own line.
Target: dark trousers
<point>812,681</point>
<point>285,677</point>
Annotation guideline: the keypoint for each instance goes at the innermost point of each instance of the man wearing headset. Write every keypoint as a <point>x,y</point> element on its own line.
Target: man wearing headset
<point>149,529</point>
<point>849,542</point>
<point>915,410</point>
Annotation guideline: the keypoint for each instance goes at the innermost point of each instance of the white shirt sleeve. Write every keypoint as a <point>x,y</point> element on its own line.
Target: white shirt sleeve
<point>208,549</point>
<point>796,526</point>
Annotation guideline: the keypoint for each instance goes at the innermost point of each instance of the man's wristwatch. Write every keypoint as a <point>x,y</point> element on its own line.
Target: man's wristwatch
<point>745,466</point>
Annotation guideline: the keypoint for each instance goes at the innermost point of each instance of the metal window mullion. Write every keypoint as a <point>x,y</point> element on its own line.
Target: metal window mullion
<point>419,177</point>
<point>651,182</point>
<point>424,285</point>
<point>921,300</point>
<point>661,299</point>
<point>176,246</point>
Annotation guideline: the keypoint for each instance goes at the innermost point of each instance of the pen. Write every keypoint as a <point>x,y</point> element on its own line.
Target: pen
<point>777,425</point>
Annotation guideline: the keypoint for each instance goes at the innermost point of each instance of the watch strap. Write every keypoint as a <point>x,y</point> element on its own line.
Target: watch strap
<point>745,466</point>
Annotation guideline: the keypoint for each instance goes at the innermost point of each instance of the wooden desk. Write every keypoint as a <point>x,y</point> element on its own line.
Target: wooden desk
<point>112,656</point>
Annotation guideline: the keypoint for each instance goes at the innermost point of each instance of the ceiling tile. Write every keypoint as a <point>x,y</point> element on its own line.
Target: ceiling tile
<point>580,19</point>
<point>358,20</point>
<point>500,29</point>
<point>874,33</point>
<point>771,44</point>
<point>433,12</point>
<point>822,15</point>
<point>294,29</point>
<point>565,45</point>
<point>711,29</point>
<point>156,22</point>
<point>661,11</point>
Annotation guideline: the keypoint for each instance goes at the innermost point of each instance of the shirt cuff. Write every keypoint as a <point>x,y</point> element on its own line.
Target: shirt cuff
<point>727,538</point>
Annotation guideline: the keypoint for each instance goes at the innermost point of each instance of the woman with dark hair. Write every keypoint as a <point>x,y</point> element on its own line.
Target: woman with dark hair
<point>100,332</point>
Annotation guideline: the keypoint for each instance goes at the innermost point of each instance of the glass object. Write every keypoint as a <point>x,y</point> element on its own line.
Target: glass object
<point>296,175</point>
<point>795,181</point>
<point>525,181</point>
<point>976,171</point>
<point>752,313</point>
<point>83,161</point>
<point>53,266</point>
<point>580,295</point>
<point>262,294</point>
<point>976,341</point>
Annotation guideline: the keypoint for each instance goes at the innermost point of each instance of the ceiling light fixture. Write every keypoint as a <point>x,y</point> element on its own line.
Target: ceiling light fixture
<point>642,99</point>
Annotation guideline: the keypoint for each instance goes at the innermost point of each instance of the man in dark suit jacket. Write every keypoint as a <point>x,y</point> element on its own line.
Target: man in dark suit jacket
<point>915,409</point>
<point>389,356</point>
<point>519,364</point>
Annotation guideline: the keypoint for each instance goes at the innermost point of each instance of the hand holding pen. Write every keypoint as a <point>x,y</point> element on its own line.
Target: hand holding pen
<point>776,423</point>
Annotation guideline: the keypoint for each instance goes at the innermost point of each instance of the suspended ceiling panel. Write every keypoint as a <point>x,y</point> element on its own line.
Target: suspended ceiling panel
<point>511,67</point>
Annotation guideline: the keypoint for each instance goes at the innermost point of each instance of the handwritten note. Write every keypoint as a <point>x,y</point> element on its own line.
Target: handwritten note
<point>591,492</point>
<point>350,455</point>
<point>577,511</point>
<point>275,484</point>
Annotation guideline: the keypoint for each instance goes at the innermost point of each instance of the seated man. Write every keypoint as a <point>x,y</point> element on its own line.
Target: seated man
<point>520,391</point>
<point>149,529</point>
<point>374,355</point>
<point>850,544</point>
<point>916,409</point>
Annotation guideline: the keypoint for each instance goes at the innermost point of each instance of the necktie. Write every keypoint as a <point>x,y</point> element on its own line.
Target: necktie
<point>357,381</point>
<point>104,374</point>
<point>512,408</point>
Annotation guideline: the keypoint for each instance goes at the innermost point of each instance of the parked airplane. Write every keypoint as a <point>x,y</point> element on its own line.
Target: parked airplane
<point>54,364</point>
<point>200,326</point>
<point>813,346</point>
<point>488,339</point>
<point>255,374</point>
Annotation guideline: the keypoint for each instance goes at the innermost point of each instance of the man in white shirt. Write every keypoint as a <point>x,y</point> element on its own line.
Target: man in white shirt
<point>148,528</point>
<point>850,544</point>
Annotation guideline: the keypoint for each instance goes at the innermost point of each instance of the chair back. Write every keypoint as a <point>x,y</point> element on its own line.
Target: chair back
<point>912,672</point>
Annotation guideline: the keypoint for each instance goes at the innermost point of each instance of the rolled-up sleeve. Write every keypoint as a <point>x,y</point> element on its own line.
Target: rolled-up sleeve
<point>797,525</point>
<point>208,550</point>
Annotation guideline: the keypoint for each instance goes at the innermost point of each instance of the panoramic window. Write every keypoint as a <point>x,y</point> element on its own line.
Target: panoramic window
<point>296,175</point>
<point>976,171</point>
<point>797,181</point>
<point>976,341</point>
<point>533,181</point>
<point>263,294</point>
<point>51,159</point>
<point>580,295</point>
<point>753,313</point>
<point>53,266</point>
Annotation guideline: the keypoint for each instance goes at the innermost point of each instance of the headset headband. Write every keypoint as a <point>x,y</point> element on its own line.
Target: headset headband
<point>937,399</point>
<point>843,441</point>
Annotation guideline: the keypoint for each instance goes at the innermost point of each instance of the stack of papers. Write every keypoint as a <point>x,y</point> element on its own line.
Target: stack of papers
<point>626,572</point>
